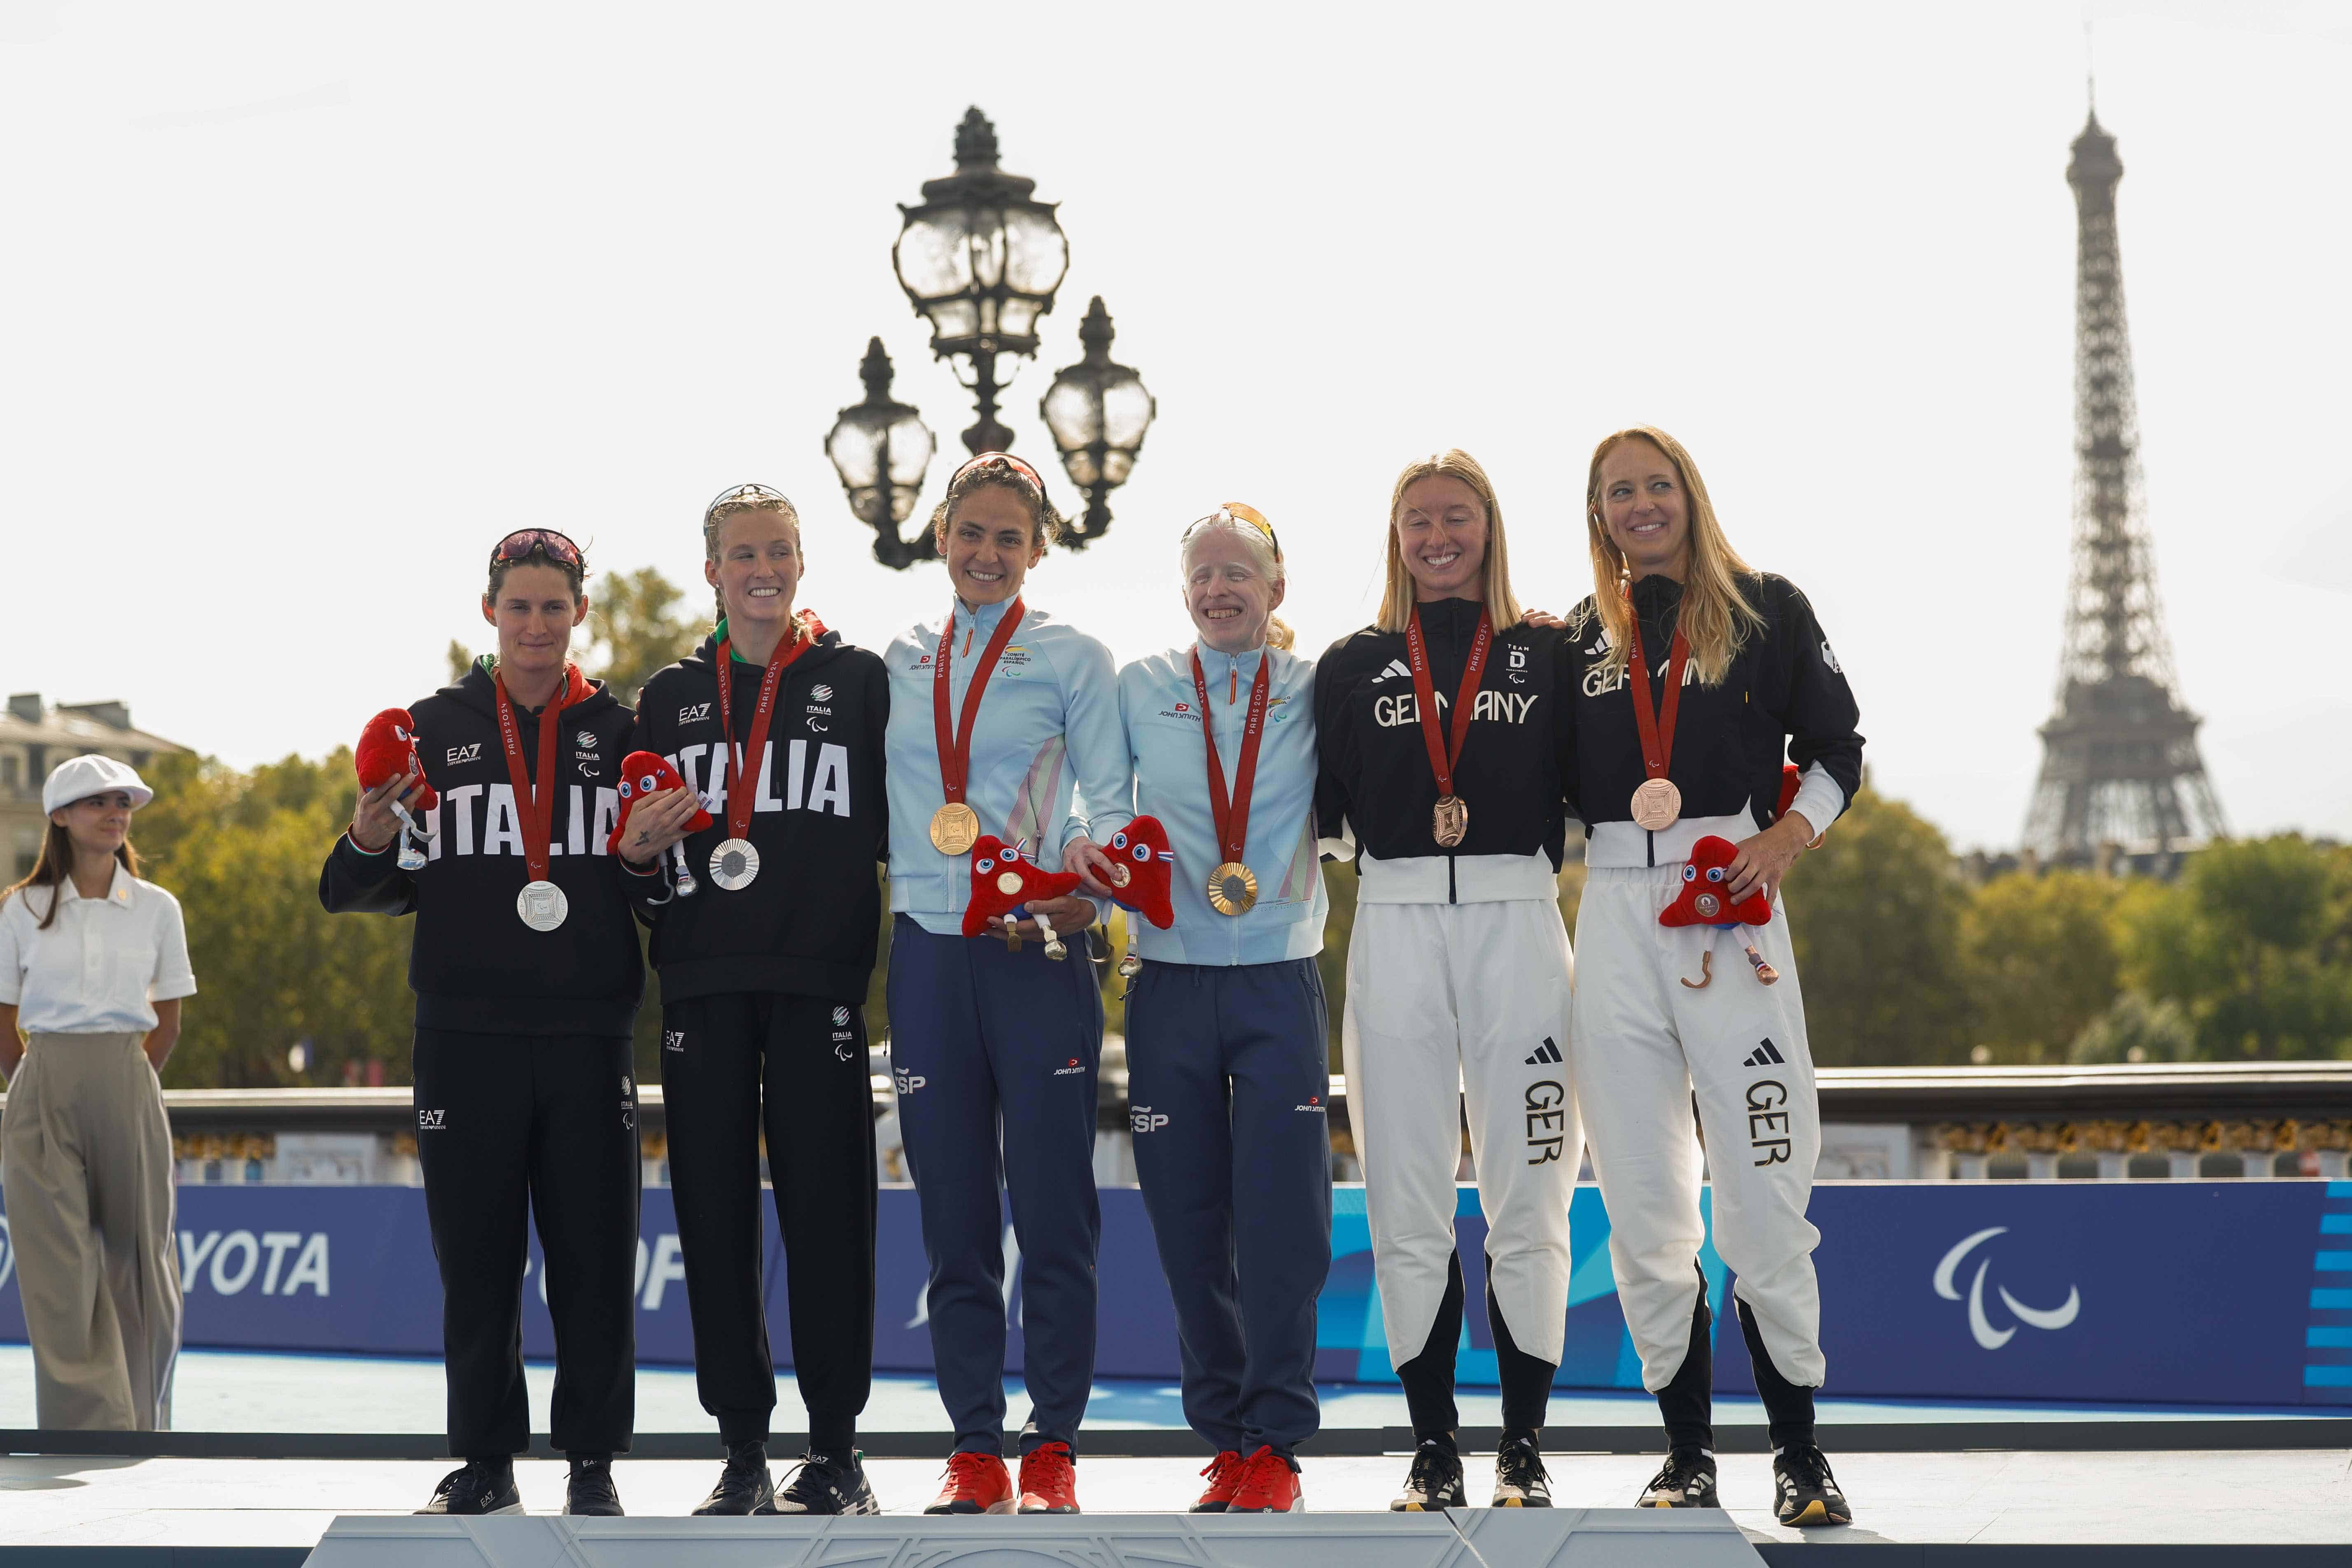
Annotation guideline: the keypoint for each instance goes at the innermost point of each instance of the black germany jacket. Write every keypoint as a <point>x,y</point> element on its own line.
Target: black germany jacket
<point>1375,775</point>
<point>1784,697</point>
<point>473,964</point>
<point>808,923</point>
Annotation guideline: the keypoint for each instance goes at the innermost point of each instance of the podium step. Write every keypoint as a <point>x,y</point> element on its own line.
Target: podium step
<point>1468,1538</point>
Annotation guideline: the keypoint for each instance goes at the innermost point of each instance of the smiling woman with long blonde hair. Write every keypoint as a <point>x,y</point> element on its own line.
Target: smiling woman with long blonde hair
<point>1440,730</point>
<point>1692,675</point>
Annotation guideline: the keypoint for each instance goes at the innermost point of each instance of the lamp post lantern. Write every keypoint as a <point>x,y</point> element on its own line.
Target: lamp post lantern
<point>980,259</point>
<point>1098,412</point>
<point>881,448</point>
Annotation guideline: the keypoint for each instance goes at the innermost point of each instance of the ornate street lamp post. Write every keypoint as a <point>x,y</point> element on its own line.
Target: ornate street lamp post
<point>1097,412</point>
<point>881,448</point>
<point>980,259</point>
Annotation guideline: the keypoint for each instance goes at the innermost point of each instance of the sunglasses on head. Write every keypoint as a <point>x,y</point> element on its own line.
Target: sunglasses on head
<point>746,495</point>
<point>1005,461</point>
<point>1233,511</point>
<point>520,544</point>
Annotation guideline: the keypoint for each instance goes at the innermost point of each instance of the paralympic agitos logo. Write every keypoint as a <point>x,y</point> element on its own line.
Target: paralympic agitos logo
<point>1980,1325</point>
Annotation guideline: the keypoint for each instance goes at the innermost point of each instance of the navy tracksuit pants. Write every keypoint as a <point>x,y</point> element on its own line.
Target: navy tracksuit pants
<point>1226,1087</point>
<point>995,1053</point>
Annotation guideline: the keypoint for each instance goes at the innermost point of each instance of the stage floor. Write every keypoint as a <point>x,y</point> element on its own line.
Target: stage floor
<point>2058,1496</point>
<point>2059,1499</point>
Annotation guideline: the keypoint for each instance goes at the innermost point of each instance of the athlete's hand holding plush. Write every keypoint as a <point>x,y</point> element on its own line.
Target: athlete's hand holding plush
<point>392,779</point>
<point>1144,871</point>
<point>1003,882</point>
<point>1705,899</point>
<point>656,812</point>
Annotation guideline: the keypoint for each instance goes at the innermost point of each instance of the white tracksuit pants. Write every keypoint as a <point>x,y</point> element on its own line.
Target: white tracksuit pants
<point>1643,1040</point>
<point>1468,1000</point>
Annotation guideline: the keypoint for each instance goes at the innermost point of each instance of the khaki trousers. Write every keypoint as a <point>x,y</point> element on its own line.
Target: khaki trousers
<point>86,1159</point>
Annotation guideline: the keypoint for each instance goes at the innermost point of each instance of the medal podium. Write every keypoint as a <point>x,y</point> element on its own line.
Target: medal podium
<point>1466,1538</point>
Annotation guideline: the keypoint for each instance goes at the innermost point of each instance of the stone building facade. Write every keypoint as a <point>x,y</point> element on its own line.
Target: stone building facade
<point>35,737</point>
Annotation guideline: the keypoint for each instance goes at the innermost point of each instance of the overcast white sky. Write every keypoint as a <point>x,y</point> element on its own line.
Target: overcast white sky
<point>301,307</point>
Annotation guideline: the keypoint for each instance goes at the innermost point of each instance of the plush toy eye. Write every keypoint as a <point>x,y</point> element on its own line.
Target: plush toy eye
<point>646,784</point>
<point>1715,873</point>
<point>1142,853</point>
<point>987,863</point>
<point>625,789</point>
<point>1119,840</point>
<point>1690,873</point>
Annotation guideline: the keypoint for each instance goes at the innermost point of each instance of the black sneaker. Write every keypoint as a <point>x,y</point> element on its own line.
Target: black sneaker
<point>1520,1480</point>
<point>1434,1481</point>
<point>481,1486</point>
<point>1687,1481</point>
<point>1804,1492</point>
<point>743,1486</point>
<point>590,1492</point>
<point>822,1484</point>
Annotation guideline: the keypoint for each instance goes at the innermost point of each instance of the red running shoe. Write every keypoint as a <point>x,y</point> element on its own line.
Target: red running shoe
<point>1049,1481</point>
<point>1224,1473</point>
<point>975,1483</point>
<point>1268,1485</point>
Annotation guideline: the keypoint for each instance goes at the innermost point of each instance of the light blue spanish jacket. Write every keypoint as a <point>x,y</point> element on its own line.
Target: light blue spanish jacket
<point>1045,743</point>
<point>1167,756</point>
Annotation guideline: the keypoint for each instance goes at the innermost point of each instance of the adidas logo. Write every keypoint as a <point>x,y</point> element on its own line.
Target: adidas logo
<point>1547,1052</point>
<point>1765,1057</point>
<point>1396,671</point>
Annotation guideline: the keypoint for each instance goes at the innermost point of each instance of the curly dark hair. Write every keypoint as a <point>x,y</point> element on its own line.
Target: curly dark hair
<point>1006,471</point>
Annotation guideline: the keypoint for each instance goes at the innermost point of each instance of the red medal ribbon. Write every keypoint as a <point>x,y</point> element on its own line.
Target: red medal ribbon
<point>740,766</point>
<point>1657,728</point>
<point>1232,818</point>
<point>955,748</point>
<point>535,804</point>
<point>1443,757</point>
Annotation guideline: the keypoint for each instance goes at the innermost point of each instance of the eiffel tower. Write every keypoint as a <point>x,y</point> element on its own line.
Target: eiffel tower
<point>2119,760</point>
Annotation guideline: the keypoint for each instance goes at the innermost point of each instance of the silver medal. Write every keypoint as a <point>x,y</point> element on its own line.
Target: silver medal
<point>542,905</point>
<point>735,865</point>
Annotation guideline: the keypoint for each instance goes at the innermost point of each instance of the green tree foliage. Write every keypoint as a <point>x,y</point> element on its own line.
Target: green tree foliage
<point>2134,1030</point>
<point>636,627</point>
<point>1875,916</point>
<point>2041,960</point>
<point>242,853</point>
<point>2252,943</point>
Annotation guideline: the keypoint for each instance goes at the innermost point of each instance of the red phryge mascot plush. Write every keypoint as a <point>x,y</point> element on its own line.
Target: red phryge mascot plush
<point>387,749</point>
<point>1704,902</point>
<point>644,773</point>
<point>1001,881</point>
<point>1141,851</point>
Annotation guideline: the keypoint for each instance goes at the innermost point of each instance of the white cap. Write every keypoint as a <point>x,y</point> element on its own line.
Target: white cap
<point>79,778</point>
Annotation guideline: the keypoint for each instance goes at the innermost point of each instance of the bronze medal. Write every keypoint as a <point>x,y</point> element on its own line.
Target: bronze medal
<point>955,828</point>
<point>1232,889</point>
<point>1657,803</point>
<point>1449,822</point>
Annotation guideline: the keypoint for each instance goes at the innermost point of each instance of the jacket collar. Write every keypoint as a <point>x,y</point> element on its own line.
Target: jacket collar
<point>983,618</point>
<point>1216,666</point>
<point>123,890</point>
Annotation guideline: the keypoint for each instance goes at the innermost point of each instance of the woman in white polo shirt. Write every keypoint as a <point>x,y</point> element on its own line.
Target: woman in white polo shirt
<point>93,963</point>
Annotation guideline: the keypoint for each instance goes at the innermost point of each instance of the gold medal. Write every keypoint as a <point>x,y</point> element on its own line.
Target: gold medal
<point>1232,889</point>
<point>1449,822</point>
<point>1656,804</point>
<point>955,828</point>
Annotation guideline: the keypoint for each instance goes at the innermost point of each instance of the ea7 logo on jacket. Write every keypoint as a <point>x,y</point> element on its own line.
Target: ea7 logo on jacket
<point>694,713</point>
<point>430,1121</point>
<point>472,754</point>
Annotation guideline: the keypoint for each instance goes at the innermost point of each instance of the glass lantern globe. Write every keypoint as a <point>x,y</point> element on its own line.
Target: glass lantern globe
<point>1098,412</point>
<point>881,448</point>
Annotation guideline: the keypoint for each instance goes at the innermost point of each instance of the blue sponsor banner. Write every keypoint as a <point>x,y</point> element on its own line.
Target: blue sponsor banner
<point>2172,1292</point>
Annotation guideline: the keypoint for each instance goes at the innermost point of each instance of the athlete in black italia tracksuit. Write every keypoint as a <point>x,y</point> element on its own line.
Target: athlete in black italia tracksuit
<point>525,1094</point>
<point>763,1027</point>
